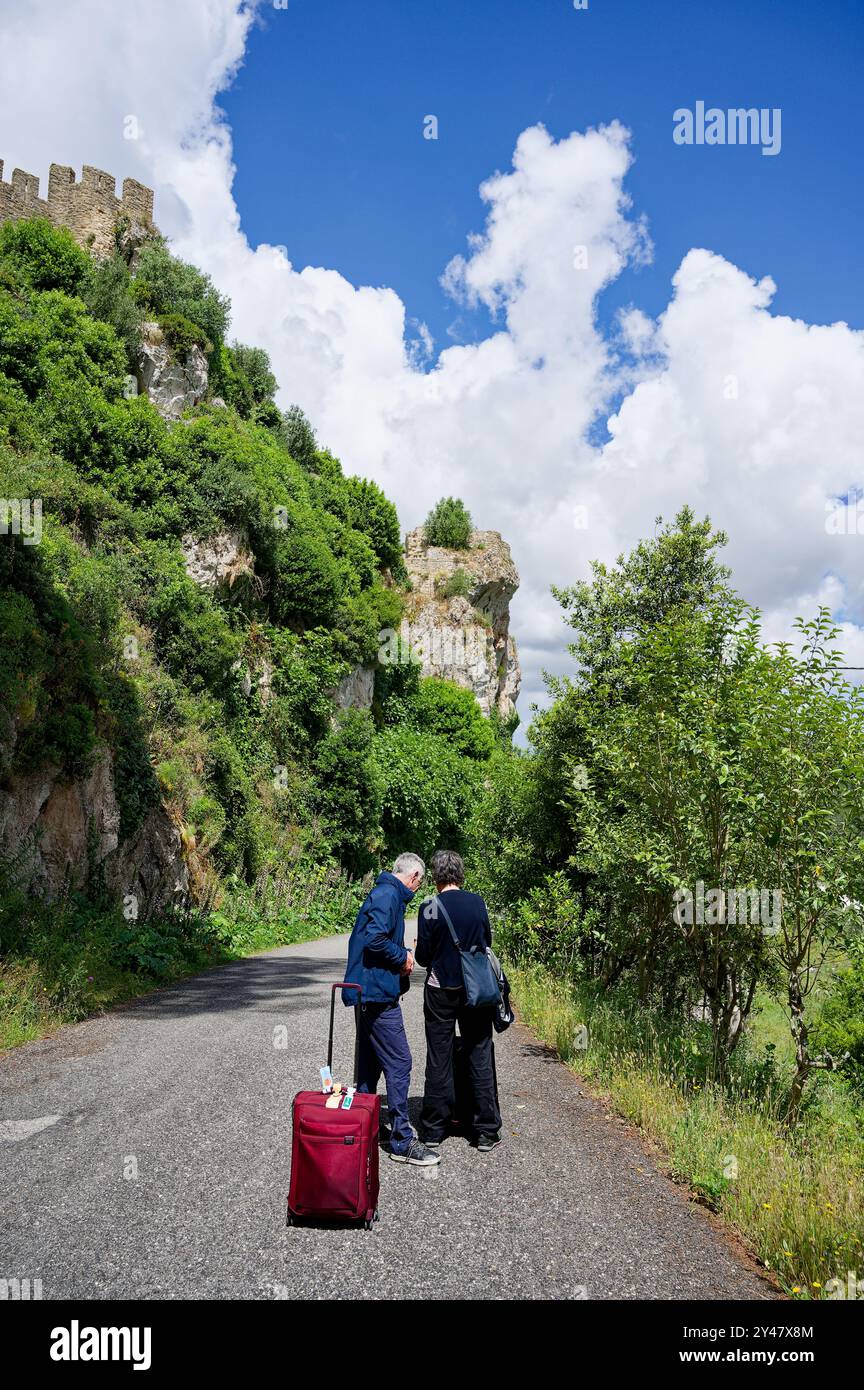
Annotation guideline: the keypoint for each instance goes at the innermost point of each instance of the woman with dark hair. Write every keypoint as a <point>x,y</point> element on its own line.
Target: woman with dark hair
<point>444,1006</point>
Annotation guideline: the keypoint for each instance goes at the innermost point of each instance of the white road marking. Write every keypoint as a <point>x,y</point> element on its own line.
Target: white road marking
<point>12,1131</point>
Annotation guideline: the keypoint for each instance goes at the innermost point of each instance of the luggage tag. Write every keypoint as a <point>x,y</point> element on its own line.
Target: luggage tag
<point>335,1100</point>
<point>326,1079</point>
<point>349,1099</point>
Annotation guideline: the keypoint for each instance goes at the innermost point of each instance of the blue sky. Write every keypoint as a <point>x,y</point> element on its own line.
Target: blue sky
<point>327,113</point>
<point>317,136</point>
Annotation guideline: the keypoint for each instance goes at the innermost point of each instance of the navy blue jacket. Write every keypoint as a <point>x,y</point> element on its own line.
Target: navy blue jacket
<point>435,949</point>
<point>376,950</point>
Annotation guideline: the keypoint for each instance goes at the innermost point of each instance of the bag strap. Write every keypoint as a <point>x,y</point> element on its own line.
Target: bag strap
<point>441,908</point>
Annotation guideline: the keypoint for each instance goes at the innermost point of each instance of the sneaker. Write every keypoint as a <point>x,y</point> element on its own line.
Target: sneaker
<point>487,1142</point>
<point>418,1154</point>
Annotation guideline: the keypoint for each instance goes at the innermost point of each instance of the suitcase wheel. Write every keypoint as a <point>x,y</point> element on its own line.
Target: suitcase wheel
<point>369,1224</point>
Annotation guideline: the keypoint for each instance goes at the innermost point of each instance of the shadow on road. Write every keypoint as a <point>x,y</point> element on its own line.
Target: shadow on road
<point>252,983</point>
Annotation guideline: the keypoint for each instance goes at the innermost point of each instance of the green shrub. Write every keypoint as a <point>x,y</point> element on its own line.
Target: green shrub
<point>18,427</point>
<point>397,685</point>
<point>449,525</point>
<point>456,585</point>
<point>839,1026</point>
<point>52,347</point>
<point>428,791</point>
<point>166,285</point>
<point>182,335</point>
<point>253,365</point>
<point>43,257</point>
<point>374,514</point>
<point>447,709</point>
<point>362,618</point>
<point>241,845</point>
<point>306,588</point>
<point>306,672</point>
<point>107,292</point>
<point>299,437</point>
<point>349,790</point>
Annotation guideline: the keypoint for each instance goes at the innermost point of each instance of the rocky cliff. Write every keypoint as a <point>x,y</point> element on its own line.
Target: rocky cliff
<point>62,835</point>
<point>458,616</point>
<point>173,381</point>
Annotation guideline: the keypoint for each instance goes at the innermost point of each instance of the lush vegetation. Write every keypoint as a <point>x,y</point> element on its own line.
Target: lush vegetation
<point>680,858</point>
<point>449,524</point>
<point>676,862</point>
<point>215,702</point>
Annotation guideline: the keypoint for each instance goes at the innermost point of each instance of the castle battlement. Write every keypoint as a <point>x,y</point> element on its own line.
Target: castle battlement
<point>90,207</point>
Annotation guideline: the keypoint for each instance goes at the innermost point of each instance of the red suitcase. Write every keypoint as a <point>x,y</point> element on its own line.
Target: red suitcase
<point>334,1153</point>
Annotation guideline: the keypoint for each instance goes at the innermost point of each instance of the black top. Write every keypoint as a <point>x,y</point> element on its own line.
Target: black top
<point>435,949</point>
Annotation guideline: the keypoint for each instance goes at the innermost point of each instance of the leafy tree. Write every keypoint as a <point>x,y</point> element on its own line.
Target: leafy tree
<point>428,791</point>
<point>684,752</point>
<point>449,524</point>
<point>249,384</point>
<point>254,364</point>
<point>809,818</point>
<point>374,514</point>
<point>167,285</point>
<point>306,588</point>
<point>107,292</point>
<point>666,800</point>
<point>349,788</point>
<point>675,571</point>
<point>299,437</point>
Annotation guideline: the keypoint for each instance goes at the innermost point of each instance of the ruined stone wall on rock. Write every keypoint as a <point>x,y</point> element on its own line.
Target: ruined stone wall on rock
<point>89,207</point>
<point>465,637</point>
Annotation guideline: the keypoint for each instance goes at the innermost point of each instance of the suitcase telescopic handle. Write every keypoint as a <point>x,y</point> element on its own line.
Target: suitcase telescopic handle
<point>345,984</point>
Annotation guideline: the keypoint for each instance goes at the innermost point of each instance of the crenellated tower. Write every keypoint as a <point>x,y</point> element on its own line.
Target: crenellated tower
<point>89,207</point>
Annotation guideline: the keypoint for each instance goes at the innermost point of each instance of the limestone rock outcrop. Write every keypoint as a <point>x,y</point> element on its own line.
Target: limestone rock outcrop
<point>219,559</point>
<point>171,382</point>
<point>356,690</point>
<point>59,834</point>
<point>458,616</point>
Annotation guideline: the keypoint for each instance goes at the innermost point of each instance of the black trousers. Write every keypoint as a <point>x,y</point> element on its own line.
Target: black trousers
<point>442,1010</point>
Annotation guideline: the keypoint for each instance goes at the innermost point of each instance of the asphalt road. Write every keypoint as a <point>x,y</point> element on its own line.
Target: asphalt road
<point>146,1154</point>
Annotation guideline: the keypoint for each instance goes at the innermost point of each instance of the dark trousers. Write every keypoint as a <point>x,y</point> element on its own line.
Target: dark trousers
<point>442,1010</point>
<point>383,1046</point>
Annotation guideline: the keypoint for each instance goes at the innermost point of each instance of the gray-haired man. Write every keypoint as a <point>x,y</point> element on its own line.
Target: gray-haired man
<point>379,962</point>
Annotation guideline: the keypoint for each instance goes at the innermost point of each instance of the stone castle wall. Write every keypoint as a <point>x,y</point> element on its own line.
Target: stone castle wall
<point>89,208</point>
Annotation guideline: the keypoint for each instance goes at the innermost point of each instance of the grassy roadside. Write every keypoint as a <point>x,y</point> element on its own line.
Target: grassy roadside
<point>796,1199</point>
<point>72,961</point>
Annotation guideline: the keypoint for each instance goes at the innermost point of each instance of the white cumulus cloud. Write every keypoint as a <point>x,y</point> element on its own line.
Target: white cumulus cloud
<point>752,417</point>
